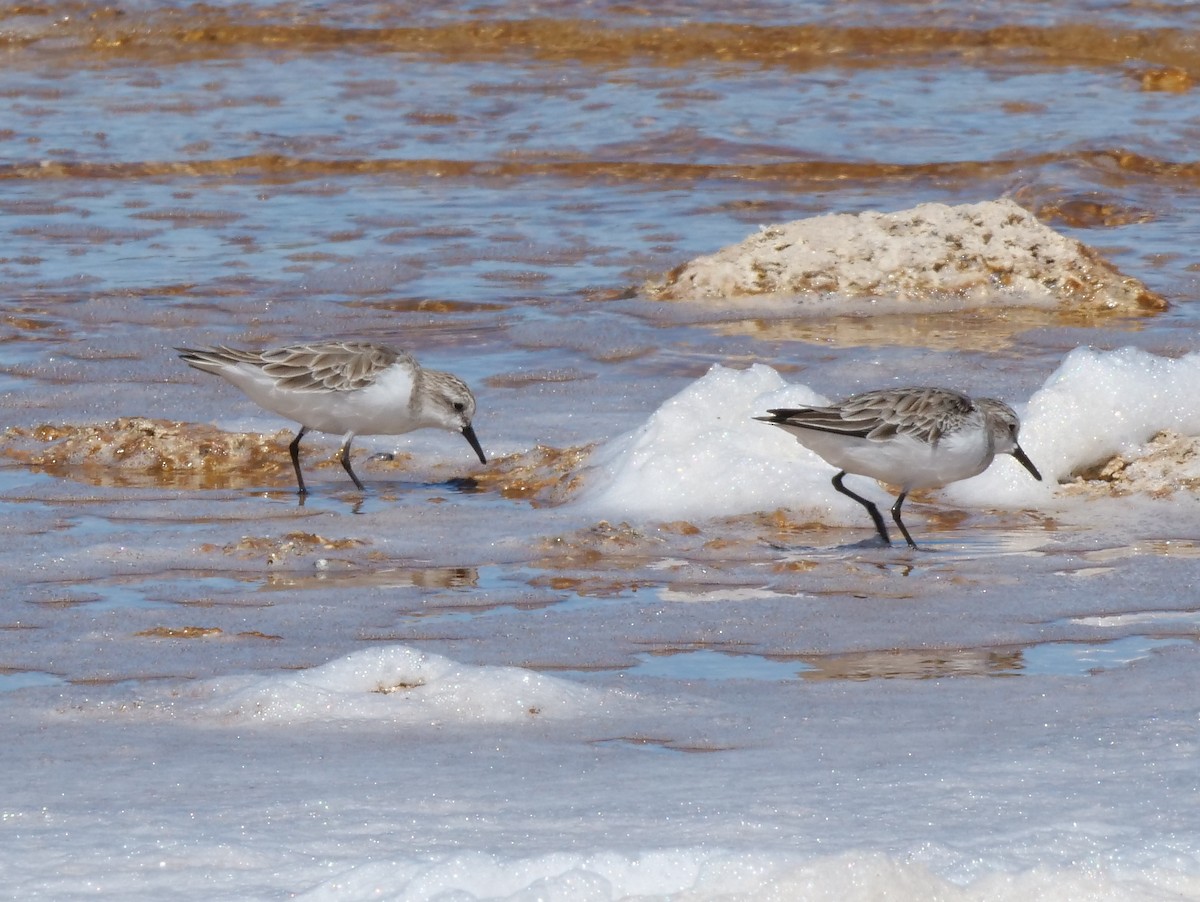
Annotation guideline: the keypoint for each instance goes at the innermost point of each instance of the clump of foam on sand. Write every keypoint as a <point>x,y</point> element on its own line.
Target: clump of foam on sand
<point>989,253</point>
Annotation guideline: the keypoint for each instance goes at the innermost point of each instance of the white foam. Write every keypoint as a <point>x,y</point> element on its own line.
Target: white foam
<point>1096,404</point>
<point>704,874</point>
<point>398,683</point>
<point>703,454</point>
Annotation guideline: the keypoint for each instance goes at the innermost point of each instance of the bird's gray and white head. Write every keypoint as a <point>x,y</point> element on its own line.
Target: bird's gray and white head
<point>1003,422</point>
<point>442,399</point>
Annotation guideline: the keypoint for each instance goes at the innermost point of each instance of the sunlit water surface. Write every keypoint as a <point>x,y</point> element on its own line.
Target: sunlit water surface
<point>488,187</point>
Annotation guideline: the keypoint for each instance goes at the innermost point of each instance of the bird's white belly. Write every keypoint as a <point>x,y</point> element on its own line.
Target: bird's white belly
<point>380,409</point>
<point>903,461</point>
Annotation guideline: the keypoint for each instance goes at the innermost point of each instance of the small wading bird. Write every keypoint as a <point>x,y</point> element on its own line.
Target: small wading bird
<point>914,438</point>
<point>347,388</point>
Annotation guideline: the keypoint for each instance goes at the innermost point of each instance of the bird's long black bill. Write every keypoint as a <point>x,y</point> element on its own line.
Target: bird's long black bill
<point>469,434</point>
<point>1026,462</point>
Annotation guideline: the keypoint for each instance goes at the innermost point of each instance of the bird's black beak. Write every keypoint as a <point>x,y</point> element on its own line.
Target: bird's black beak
<point>1026,462</point>
<point>469,434</point>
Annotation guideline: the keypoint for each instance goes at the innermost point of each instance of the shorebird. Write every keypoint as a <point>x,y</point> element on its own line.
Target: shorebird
<point>347,388</point>
<point>913,438</point>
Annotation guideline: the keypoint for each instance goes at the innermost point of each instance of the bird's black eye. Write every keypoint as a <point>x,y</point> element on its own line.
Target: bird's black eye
<point>459,406</point>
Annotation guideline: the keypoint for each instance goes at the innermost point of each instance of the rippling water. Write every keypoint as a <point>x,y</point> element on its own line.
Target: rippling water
<point>489,185</point>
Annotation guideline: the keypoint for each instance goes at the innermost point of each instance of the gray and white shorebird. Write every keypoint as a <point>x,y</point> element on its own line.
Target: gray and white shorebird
<point>347,388</point>
<point>912,438</point>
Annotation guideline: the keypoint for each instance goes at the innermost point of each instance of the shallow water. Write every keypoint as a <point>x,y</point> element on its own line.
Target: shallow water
<point>488,186</point>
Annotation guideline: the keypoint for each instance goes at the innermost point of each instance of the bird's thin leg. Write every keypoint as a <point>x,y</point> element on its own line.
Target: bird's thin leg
<point>294,447</point>
<point>899,522</point>
<point>871,509</point>
<point>346,462</point>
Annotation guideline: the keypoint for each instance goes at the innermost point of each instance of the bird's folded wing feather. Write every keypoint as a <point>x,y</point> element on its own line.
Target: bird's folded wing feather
<point>338,366</point>
<point>880,416</point>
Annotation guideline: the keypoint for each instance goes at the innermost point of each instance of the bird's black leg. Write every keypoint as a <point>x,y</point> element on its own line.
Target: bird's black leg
<point>346,463</point>
<point>899,522</point>
<point>294,447</point>
<point>871,509</point>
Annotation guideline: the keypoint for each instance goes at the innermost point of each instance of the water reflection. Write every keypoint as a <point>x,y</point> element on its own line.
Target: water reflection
<point>386,577</point>
<point>915,664</point>
<point>1074,658</point>
<point>12,680</point>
